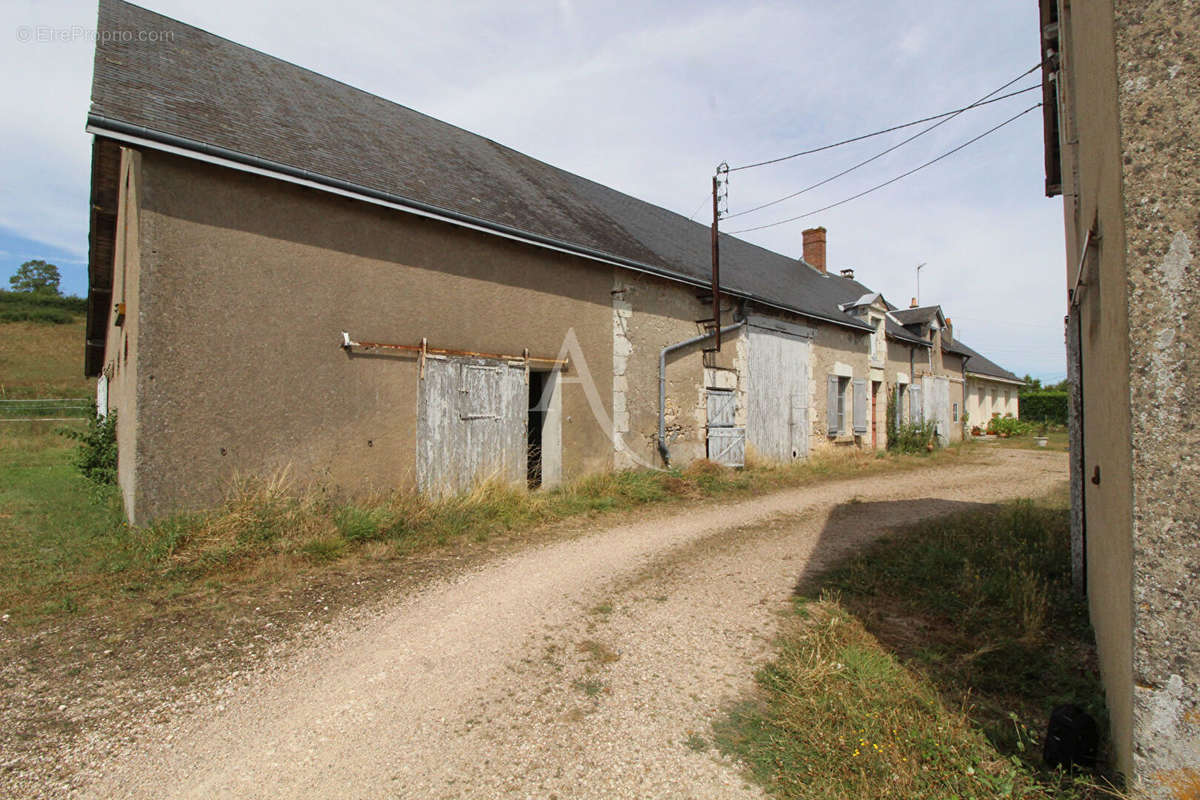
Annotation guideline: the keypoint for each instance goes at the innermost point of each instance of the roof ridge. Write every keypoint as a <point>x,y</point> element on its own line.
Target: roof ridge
<point>218,92</point>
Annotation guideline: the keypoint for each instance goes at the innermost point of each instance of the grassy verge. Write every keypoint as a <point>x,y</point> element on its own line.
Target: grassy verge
<point>928,667</point>
<point>1057,441</point>
<point>64,548</point>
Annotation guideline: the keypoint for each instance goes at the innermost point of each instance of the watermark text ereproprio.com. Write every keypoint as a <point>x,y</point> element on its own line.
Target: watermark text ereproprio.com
<point>82,33</point>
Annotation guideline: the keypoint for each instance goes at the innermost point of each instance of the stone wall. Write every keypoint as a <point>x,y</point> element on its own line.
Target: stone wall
<point>1158,90</point>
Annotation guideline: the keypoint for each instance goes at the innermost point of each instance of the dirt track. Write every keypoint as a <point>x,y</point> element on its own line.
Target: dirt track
<point>579,668</point>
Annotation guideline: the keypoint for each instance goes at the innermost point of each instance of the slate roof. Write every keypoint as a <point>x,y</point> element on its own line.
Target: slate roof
<point>917,316</point>
<point>979,364</point>
<point>207,94</point>
<point>855,291</point>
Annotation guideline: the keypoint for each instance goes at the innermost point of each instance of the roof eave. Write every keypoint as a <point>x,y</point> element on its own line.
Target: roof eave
<point>102,225</point>
<point>985,376</point>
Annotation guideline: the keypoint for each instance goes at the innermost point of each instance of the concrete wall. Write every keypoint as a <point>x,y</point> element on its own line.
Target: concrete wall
<point>245,285</point>
<point>1129,105</point>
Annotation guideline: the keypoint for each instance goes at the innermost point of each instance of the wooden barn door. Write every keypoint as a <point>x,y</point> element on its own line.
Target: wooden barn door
<point>471,419</point>
<point>777,408</point>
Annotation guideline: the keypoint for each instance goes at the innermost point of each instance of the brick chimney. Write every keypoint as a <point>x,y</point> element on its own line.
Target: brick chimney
<point>814,247</point>
<point>913,304</point>
<point>949,330</point>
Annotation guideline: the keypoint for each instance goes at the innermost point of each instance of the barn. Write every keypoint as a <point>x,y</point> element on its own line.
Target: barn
<point>286,272</point>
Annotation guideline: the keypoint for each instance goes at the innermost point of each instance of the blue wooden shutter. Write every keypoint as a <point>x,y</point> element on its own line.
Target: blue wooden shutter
<point>860,405</point>
<point>831,403</point>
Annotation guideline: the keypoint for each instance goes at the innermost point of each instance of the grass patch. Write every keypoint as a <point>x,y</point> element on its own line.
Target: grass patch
<point>598,652</point>
<point>1057,441</point>
<point>928,668</point>
<point>62,536</point>
<point>592,688</point>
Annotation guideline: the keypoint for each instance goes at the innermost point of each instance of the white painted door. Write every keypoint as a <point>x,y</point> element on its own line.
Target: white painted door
<point>777,408</point>
<point>935,391</point>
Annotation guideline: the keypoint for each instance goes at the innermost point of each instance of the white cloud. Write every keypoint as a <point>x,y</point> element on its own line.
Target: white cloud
<point>648,97</point>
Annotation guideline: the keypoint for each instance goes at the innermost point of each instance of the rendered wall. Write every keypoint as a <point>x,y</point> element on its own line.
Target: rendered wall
<point>121,342</point>
<point>1092,156</point>
<point>245,286</point>
<point>952,368</point>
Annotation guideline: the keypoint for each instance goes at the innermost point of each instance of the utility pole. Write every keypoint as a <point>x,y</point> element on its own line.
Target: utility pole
<point>717,197</point>
<point>919,281</point>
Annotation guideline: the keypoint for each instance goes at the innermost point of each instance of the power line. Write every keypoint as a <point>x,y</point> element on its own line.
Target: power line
<point>956,111</point>
<point>707,199</point>
<point>881,154</point>
<point>898,177</point>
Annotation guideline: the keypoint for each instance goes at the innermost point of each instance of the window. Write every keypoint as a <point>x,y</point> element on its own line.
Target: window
<point>842,389</point>
<point>836,423</point>
<point>956,412</point>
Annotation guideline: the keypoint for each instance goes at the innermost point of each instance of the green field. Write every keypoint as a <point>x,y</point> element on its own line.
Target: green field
<point>59,533</point>
<point>43,360</point>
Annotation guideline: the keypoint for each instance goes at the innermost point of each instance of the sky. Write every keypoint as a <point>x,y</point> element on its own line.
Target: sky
<point>648,97</point>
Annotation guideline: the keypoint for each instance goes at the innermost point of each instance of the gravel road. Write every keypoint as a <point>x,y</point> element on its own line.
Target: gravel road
<point>588,668</point>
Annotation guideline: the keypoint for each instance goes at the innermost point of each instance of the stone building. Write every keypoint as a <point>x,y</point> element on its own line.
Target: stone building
<point>1122,91</point>
<point>287,273</point>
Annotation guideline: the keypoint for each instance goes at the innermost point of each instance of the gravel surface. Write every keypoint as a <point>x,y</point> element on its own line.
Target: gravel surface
<point>584,668</point>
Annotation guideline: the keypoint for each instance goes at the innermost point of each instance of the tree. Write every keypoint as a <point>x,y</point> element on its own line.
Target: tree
<point>1032,384</point>
<point>36,276</point>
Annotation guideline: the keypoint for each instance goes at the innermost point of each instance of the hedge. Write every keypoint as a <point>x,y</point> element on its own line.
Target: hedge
<point>46,308</point>
<point>1038,406</point>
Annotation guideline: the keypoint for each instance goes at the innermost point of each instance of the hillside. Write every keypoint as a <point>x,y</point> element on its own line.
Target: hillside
<point>38,359</point>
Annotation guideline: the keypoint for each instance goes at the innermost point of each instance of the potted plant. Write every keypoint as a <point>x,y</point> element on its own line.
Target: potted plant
<point>1043,434</point>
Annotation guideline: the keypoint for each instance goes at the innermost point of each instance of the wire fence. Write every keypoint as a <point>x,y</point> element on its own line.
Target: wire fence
<point>45,408</point>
